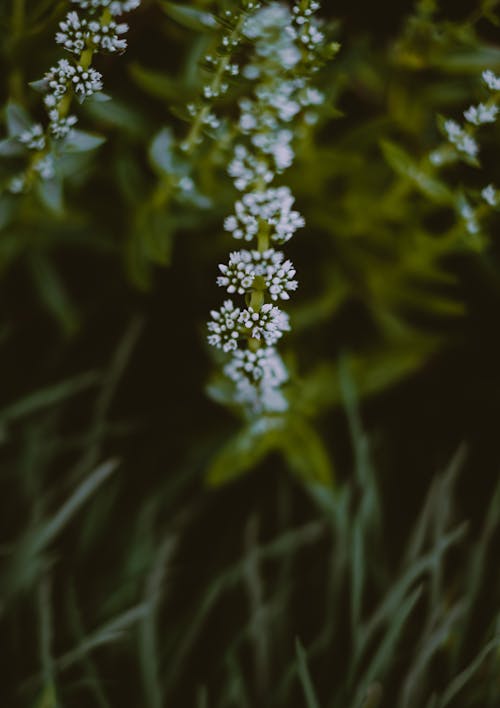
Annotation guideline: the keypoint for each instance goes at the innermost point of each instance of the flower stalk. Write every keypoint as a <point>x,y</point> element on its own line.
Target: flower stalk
<point>82,34</point>
<point>288,48</point>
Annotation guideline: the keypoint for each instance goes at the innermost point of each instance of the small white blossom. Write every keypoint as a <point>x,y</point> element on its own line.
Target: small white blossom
<point>260,398</point>
<point>244,266</point>
<point>491,80</point>
<point>45,167</point>
<point>246,169</point>
<point>33,138</point>
<point>116,7</point>
<point>211,120</point>
<point>224,327</point>
<point>461,139</point>
<point>77,34</point>
<point>453,129</point>
<point>60,77</point>
<point>17,184</point>
<point>108,37</point>
<point>469,216</point>
<point>61,127</point>
<point>269,323</point>
<point>278,273</point>
<point>272,207</point>
<point>238,275</point>
<point>86,82</point>
<point>490,195</point>
<point>265,364</point>
<point>73,33</point>
<point>271,27</point>
<point>481,114</point>
<point>278,144</point>
<point>258,377</point>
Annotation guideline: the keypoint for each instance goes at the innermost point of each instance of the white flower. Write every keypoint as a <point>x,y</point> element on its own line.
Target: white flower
<point>263,365</point>
<point>481,114</point>
<point>272,207</point>
<point>116,7</point>
<point>277,273</point>
<point>461,139</point>
<point>269,323</point>
<point>271,27</point>
<point>246,169</point>
<point>17,184</point>
<point>61,127</point>
<point>453,130</point>
<point>244,266</point>
<point>491,80</point>
<point>469,216</point>
<point>258,377</point>
<point>45,167</point>
<point>107,37</point>
<point>490,195</point>
<point>224,327</point>
<point>84,82</point>
<point>73,33</point>
<point>238,275</point>
<point>33,138</point>
<point>260,398</point>
<point>278,145</point>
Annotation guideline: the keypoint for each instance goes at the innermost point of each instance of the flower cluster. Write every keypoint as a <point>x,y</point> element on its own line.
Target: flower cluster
<point>77,34</point>
<point>276,274</point>
<point>273,207</point>
<point>463,143</point>
<point>93,28</point>
<point>280,95</point>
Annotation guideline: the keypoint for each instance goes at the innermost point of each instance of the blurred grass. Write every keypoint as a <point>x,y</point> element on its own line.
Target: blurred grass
<point>155,550</point>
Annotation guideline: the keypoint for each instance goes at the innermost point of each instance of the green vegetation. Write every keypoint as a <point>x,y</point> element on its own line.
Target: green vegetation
<point>160,547</point>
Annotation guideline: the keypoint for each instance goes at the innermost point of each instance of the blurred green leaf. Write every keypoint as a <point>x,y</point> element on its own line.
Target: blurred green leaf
<point>405,166</point>
<point>189,17</point>
<point>80,141</point>
<point>245,450</point>
<point>53,293</point>
<point>18,120</point>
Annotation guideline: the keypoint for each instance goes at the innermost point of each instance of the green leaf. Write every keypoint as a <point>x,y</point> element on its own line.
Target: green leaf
<point>156,234</point>
<point>157,84</point>
<point>161,152</point>
<point>10,147</point>
<point>18,120</point>
<point>464,676</point>
<point>305,677</point>
<point>53,293</point>
<point>245,450</point>
<point>121,115</point>
<point>47,397</point>
<point>48,698</point>
<point>40,85</point>
<point>80,141</point>
<point>50,193</point>
<point>189,17</point>
<point>405,166</point>
<point>306,453</point>
<point>7,209</point>
<point>53,527</point>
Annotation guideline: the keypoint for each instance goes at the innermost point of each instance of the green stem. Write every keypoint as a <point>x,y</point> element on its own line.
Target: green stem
<point>196,127</point>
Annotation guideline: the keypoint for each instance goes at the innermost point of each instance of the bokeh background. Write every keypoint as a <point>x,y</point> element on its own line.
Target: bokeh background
<point>155,548</point>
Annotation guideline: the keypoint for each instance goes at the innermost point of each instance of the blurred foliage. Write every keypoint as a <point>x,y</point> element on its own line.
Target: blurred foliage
<point>155,549</point>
